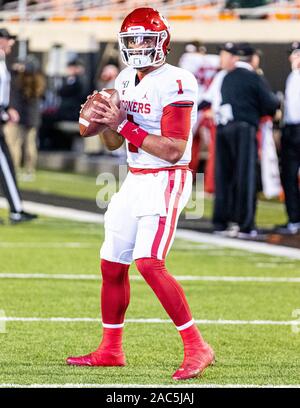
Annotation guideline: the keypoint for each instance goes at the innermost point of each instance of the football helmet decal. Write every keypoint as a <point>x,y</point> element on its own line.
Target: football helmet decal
<point>144,38</point>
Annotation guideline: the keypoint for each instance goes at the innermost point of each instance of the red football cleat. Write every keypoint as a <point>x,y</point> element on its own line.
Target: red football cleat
<point>194,364</point>
<point>98,358</point>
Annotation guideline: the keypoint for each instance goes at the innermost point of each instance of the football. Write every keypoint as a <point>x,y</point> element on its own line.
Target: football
<point>86,126</point>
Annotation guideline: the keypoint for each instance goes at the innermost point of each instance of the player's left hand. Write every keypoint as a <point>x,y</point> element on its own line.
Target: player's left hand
<point>110,115</point>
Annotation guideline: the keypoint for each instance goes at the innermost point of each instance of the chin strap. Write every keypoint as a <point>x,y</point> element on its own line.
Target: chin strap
<point>139,61</point>
<point>144,61</point>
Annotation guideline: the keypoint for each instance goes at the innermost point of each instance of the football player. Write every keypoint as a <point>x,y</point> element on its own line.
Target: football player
<point>160,104</point>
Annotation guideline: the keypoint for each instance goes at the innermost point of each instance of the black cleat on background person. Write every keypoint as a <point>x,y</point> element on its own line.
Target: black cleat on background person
<point>22,216</point>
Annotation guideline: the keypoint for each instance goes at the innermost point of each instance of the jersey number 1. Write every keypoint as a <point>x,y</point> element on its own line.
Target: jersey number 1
<point>180,90</point>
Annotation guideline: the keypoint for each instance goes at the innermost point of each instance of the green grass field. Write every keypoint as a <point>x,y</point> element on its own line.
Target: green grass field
<point>34,352</point>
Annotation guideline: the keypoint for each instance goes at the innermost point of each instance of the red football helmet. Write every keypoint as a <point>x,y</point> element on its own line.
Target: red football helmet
<point>144,38</point>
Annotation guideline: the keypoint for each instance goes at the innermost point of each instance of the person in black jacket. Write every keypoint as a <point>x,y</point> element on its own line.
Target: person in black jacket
<point>71,95</point>
<point>245,97</point>
<point>72,91</point>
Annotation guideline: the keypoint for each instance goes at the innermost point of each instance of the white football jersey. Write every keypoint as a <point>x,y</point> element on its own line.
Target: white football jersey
<point>144,101</point>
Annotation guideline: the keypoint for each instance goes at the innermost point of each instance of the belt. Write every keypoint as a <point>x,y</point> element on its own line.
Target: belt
<point>136,170</point>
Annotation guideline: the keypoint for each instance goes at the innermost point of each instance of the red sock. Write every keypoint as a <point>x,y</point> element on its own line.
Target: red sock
<point>111,340</point>
<point>115,292</point>
<point>115,295</point>
<point>167,289</point>
<point>198,355</point>
<point>191,338</point>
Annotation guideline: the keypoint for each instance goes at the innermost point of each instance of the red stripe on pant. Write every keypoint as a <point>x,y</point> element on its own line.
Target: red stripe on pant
<point>162,220</point>
<point>175,211</point>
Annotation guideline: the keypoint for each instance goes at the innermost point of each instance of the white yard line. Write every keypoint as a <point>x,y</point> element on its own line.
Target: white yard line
<point>274,265</point>
<point>48,245</point>
<point>51,276</point>
<point>194,236</point>
<point>58,212</point>
<point>251,246</point>
<point>150,321</point>
<point>76,385</point>
<point>181,278</point>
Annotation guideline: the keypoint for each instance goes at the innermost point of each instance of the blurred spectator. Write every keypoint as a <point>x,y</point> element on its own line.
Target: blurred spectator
<point>245,97</point>
<point>28,87</point>
<point>290,144</point>
<point>107,76</point>
<point>204,66</point>
<point>71,94</point>
<point>210,106</point>
<point>7,172</point>
<point>255,61</point>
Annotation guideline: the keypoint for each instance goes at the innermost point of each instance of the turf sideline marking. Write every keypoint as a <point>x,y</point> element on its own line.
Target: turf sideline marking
<point>250,246</point>
<point>139,278</point>
<point>48,245</point>
<point>151,320</point>
<point>148,386</point>
<point>199,237</point>
<point>59,212</point>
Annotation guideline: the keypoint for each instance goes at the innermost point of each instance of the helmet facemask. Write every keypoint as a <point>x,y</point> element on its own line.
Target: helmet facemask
<point>140,48</point>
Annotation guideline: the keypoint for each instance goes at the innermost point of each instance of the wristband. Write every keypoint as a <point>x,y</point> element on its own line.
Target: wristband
<point>132,132</point>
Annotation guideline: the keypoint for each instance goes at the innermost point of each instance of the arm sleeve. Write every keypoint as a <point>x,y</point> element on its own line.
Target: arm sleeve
<point>176,120</point>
